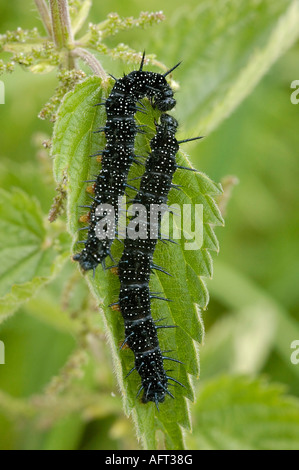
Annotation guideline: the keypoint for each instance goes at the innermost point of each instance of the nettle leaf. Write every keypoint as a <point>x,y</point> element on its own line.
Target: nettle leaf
<point>29,258</point>
<point>237,45</point>
<point>73,142</point>
<point>236,413</point>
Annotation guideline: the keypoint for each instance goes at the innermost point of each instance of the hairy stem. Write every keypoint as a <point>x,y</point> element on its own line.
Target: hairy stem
<point>91,61</point>
<point>45,15</point>
<point>62,30</point>
<point>61,24</point>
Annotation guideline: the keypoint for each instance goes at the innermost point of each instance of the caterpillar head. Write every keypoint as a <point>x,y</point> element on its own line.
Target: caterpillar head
<point>86,260</point>
<point>153,376</point>
<point>169,123</point>
<point>164,99</point>
<point>95,252</point>
<point>165,104</point>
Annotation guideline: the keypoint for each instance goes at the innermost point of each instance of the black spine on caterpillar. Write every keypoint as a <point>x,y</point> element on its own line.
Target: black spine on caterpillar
<point>136,264</point>
<point>118,155</point>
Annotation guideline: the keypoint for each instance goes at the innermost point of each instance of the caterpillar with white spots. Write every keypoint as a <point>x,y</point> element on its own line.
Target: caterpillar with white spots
<point>118,155</point>
<point>136,265</point>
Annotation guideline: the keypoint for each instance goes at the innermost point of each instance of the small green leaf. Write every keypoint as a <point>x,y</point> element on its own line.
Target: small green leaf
<point>42,67</point>
<point>73,142</point>
<point>24,47</point>
<point>236,413</point>
<point>28,257</point>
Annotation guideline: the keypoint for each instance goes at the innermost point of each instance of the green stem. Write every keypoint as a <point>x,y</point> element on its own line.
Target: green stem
<point>61,24</point>
<point>62,30</point>
<point>45,15</point>
<point>91,61</point>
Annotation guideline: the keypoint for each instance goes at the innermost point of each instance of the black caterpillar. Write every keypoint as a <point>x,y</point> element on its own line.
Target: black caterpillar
<point>136,264</point>
<point>118,155</point>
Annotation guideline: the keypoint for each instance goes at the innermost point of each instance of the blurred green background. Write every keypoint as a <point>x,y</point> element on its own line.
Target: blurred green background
<point>253,310</point>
